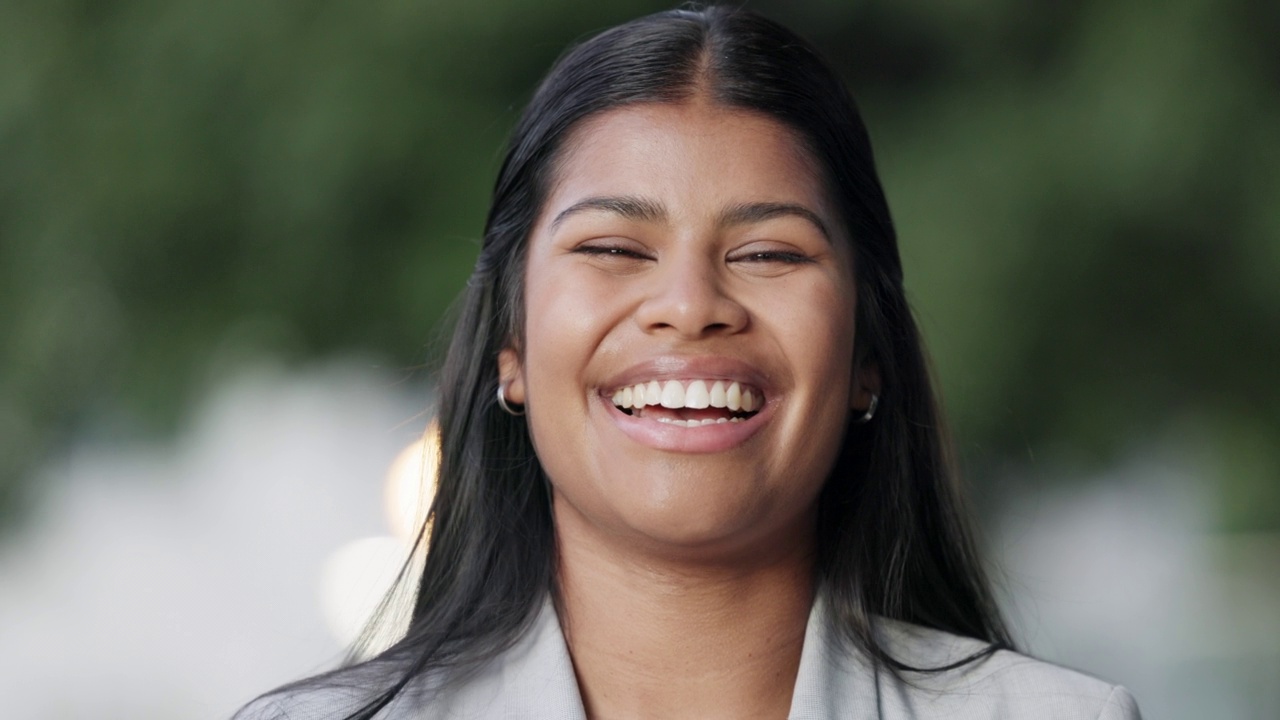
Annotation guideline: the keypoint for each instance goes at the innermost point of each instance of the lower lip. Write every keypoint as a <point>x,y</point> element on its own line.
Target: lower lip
<point>714,438</point>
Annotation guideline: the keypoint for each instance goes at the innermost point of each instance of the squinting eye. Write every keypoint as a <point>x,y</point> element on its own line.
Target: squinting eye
<point>608,251</point>
<point>781,256</point>
<point>615,257</point>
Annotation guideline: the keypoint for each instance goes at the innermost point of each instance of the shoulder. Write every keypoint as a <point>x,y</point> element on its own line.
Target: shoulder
<point>310,702</point>
<point>322,703</point>
<point>533,678</point>
<point>332,696</point>
<point>1003,684</point>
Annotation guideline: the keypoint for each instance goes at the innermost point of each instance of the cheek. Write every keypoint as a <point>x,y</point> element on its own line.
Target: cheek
<point>816,329</point>
<point>817,335</point>
<point>570,318</point>
<point>567,323</point>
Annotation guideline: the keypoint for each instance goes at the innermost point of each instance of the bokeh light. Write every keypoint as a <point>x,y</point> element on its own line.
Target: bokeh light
<point>353,583</point>
<point>411,484</point>
<point>358,580</point>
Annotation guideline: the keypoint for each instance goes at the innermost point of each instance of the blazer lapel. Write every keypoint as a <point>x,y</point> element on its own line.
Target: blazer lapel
<point>532,680</point>
<point>834,681</point>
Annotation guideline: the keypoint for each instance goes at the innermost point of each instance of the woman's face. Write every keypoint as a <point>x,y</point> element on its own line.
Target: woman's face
<point>687,362</point>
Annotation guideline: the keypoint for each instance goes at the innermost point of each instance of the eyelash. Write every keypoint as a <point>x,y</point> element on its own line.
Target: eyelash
<point>788,258</point>
<point>610,250</point>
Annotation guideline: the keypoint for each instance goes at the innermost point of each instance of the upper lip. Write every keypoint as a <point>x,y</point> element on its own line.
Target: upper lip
<point>689,367</point>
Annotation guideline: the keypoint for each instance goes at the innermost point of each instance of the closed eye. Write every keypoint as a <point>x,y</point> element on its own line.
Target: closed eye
<point>790,258</point>
<point>619,257</point>
<point>610,251</point>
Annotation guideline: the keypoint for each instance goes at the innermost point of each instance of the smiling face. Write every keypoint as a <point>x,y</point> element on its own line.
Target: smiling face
<point>687,361</point>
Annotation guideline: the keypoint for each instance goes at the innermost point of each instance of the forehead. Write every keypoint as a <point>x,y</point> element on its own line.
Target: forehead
<point>683,154</point>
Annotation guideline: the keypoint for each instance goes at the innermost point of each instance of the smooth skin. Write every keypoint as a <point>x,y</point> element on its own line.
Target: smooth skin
<point>685,241</point>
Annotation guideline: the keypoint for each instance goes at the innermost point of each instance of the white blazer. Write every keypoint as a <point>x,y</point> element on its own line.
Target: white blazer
<point>535,680</point>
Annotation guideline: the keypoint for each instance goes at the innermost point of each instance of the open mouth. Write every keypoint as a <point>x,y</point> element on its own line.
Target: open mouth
<point>690,403</point>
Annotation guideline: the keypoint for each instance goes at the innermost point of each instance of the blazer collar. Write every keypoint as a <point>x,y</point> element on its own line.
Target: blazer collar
<point>535,678</point>
<point>532,680</point>
<point>834,681</point>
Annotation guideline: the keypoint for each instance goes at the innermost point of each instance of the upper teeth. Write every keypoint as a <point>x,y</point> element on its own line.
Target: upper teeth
<point>693,394</point>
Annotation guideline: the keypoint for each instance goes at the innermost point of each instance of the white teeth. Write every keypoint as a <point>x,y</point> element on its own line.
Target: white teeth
<point>672,395</point>
<point>733,397</point>
<point>717,398</point>
<point>696,423</point>
<point>696,396</point>
<point>653,393</point>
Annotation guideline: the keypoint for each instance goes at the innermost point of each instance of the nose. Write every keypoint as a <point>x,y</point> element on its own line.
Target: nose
<point>687,296</point>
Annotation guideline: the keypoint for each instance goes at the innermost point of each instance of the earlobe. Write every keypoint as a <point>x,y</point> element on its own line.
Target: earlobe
<point>865,389</point>
<point>511,376</point>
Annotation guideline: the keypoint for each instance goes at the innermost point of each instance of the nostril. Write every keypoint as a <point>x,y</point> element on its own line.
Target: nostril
<point>694,305</point>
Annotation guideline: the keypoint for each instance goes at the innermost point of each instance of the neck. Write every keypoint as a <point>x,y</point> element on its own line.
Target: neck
<point>655,637</point>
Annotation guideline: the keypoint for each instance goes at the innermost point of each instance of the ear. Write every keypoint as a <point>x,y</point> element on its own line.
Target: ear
<point>511,375</point>
<point>866,382</point>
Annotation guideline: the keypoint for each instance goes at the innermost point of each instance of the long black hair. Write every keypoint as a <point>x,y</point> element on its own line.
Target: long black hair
<point>892,537</point>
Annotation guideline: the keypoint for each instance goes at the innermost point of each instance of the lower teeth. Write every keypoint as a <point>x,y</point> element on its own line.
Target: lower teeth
<point>697,423</point>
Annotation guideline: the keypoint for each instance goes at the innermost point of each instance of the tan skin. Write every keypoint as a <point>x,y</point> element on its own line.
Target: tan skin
<point>682,242</point>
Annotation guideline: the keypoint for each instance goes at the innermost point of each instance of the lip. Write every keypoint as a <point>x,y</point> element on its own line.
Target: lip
<point>709,367</point>
<point>673,438</point>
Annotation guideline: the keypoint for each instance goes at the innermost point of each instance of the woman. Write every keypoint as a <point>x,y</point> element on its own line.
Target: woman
<point>691,460</point>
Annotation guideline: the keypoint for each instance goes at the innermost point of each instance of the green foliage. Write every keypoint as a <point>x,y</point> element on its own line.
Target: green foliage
<point>1086,195</point>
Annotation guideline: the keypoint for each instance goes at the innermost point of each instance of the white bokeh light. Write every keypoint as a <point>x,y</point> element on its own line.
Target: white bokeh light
<point>357,577</point>
<point>411,483</point>
<point>353,582</point>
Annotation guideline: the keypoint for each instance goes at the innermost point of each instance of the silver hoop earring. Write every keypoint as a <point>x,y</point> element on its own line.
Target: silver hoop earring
<point>516,410</point>
<point>871,410</point>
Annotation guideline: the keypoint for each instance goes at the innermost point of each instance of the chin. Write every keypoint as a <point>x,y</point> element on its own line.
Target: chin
<point>722,530</point>
<point>687,507</point>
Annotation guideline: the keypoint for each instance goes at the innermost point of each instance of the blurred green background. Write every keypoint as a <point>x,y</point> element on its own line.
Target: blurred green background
<point>1088,199</point>
<point>1088,196</point>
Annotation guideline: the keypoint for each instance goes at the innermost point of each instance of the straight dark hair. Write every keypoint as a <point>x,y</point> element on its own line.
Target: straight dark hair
<point>893,539</point>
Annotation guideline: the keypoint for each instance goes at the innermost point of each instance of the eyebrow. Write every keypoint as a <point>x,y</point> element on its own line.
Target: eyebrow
<point>644,210</point>
<point>747,213</point>
<point>631,208</point>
